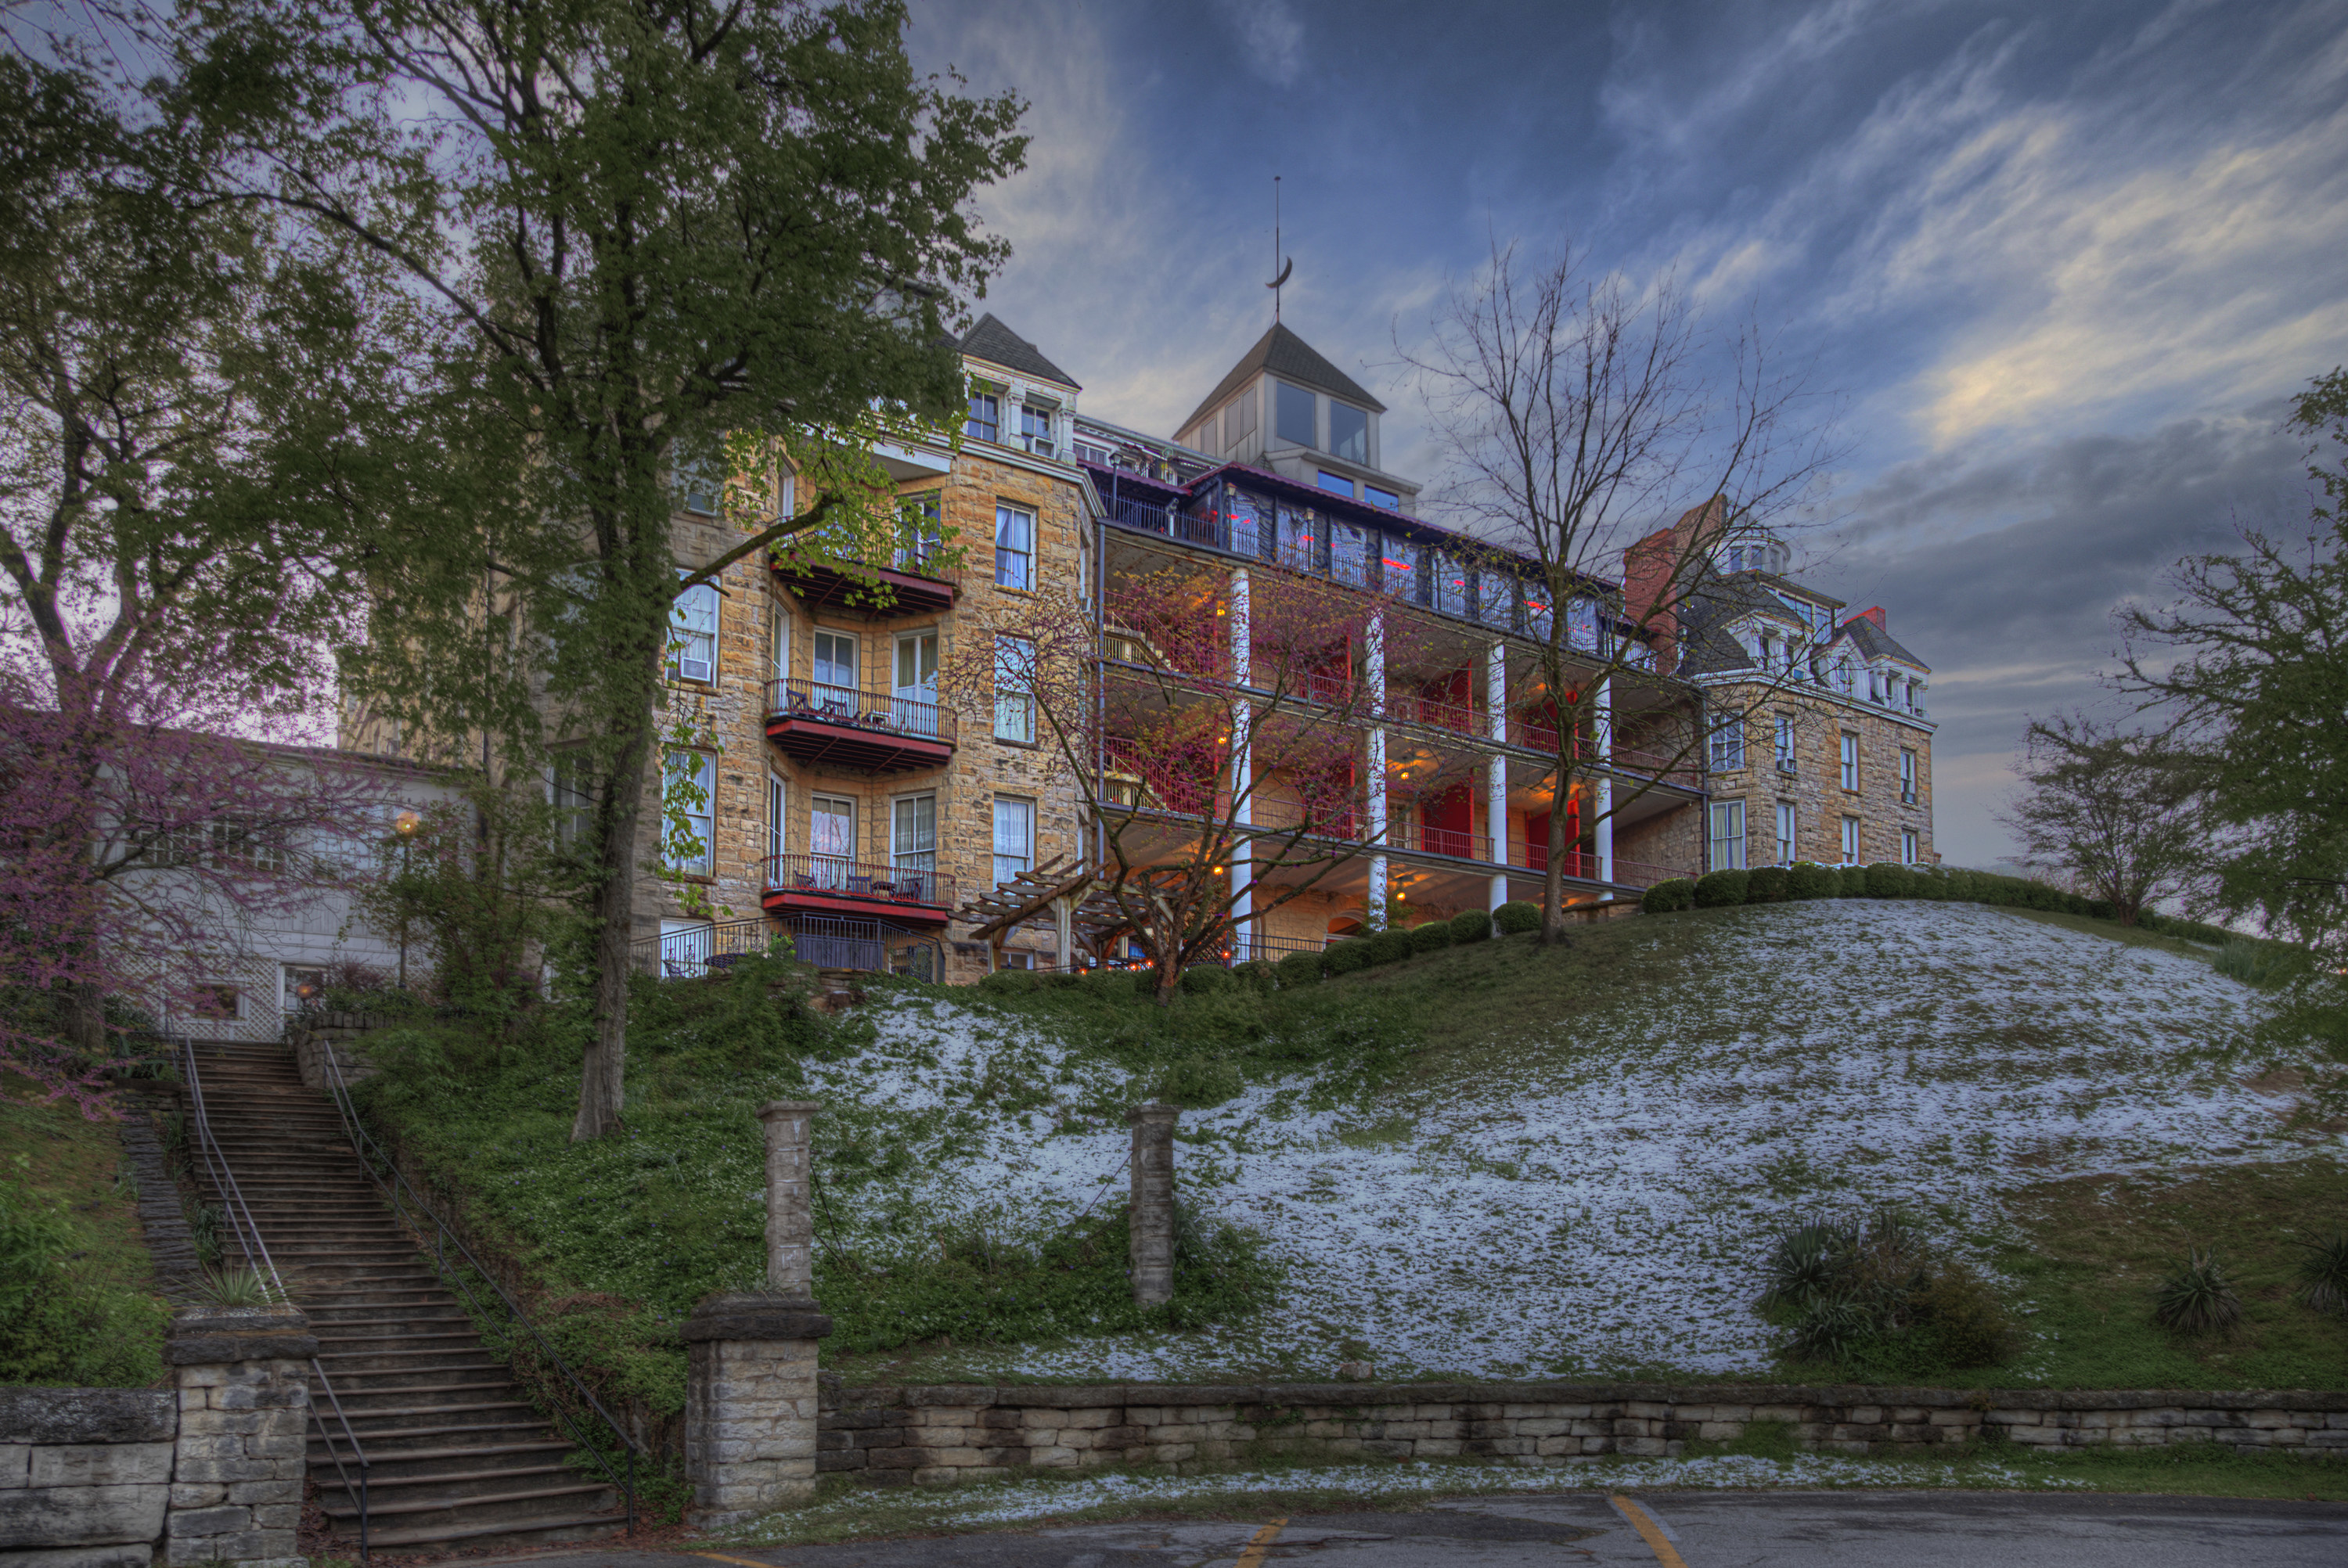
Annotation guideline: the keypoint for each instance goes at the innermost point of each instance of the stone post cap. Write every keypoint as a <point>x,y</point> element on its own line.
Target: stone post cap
<point>1153,1111</point>
<point>773,1108</point>
<point>754,1315</point>
<point>203,1334</point>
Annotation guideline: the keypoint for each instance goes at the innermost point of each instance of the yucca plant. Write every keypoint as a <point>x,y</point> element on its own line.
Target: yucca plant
<point>2323,1274</point>
<point>1807,1260</point>
<point>2198,1298</point>
<point>237,1288</point>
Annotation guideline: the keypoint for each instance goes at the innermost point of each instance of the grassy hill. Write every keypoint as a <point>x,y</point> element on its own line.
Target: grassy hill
<point>1489,1161</point>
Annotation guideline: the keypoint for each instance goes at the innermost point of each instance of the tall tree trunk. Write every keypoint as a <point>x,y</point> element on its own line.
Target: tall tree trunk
<point>1552,928</point>
<point>85,1023</point>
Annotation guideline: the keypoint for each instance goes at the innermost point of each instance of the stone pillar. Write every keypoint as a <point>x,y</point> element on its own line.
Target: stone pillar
<point>243,1375</point>
<point>1153,1203</point>
<point>750,1356</point>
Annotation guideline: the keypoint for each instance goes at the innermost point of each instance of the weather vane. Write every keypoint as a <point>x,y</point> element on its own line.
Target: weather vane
<point>1281,266</point>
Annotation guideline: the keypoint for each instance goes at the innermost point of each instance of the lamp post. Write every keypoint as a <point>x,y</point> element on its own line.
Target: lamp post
<point>404,824</point>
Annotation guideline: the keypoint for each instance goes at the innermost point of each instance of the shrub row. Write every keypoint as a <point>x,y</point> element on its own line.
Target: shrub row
<point>1888,879</point>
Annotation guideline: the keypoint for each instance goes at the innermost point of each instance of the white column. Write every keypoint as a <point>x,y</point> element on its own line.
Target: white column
<point>1602,748</point>
<point>1495,772</point>
<point>1374,676</point>
<point>1242,769</point>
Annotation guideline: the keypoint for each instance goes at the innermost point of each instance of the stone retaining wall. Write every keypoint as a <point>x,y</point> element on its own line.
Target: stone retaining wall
<point>313,1035</point>
<point>209,1471</point>
<point>942,1433</point>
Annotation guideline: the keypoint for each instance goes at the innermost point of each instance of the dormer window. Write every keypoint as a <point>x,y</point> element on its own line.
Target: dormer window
<point>985,421</point>
<point>1036,430</point>
<point>1295,422</point>
<point>1349,432</point>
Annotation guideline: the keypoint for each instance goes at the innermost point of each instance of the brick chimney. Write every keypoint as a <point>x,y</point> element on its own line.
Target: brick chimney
<point>1659,570</point>
<point>1873,612</point>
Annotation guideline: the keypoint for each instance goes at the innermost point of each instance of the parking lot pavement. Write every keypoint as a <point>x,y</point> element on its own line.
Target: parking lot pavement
<point>1654,1530</point>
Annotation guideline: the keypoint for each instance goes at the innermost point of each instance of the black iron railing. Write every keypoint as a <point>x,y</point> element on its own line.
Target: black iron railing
<point>851,707</point>
<point>247,1231</point>
<point>410,1209</point>
<point>904,881</point>
<point>695,950</point>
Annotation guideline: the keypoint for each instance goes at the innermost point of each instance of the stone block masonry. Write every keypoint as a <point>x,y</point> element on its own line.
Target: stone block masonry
<point>942,1434</point>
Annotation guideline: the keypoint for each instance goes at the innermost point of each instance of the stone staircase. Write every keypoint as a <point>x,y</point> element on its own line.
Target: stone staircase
<point>458,1459</point>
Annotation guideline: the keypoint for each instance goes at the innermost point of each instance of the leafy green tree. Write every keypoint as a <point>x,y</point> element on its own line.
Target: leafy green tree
<point>2118,812</point>
<point>652,238</point>
<point>2260,677</point>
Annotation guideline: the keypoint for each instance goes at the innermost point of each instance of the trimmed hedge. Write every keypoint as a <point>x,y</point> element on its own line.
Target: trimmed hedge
<point>1517,916</point>
<point>1206,980</point>
<point>1433,936</point>
<point>1302,969</point>
<point>1719,889</point>
<point>1388,946</point>
<point>1766,884</point>
<point>1668,896</point>
<point>1886,880</point>
<point>1347,956</point>
<point>1472,926</point>
<point>1808,879</point>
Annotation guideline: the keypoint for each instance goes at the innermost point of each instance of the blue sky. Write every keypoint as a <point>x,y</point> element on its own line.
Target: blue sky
<point>2060,265</point>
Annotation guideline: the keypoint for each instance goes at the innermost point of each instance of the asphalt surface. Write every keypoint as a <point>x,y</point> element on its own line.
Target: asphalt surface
<point>1673,1530</point>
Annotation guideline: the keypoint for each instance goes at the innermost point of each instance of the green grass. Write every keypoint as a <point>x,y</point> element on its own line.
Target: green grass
<point>77,1307</point>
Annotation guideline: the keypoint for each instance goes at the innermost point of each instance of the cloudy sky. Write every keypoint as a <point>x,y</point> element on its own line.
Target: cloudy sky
<point>2061,266</point>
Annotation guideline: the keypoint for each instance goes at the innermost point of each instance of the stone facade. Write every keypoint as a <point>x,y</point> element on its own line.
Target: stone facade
<point>1814,786</point>
<point>209,1470</point>
<point>940,1435</point>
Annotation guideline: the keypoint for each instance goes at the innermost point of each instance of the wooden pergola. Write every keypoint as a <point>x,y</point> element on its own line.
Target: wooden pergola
<point>1083,914</point>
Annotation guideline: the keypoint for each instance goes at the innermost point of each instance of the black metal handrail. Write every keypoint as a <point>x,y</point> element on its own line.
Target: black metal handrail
<point>249,1241</point>
<point>402,1196</point>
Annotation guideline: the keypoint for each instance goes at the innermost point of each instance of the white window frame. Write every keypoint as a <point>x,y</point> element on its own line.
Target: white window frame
<point>1015,547</point>
<point>692,627</point>
<point>1786,753</point>
<point>1789,818</point>
<point>1910,846</point>
<point>906,852</point>
<point>824,690</point>
<point>1014,703</point>
<point>1018,854</point>
<point>1726,838</point>
<point>1849,743</point>
<point>779,815</point>
<point>1908,775</point>
<point>1724,744</point>
<point>572,801</point>
<point>778,641</point>
<point>706,770</point>
<point>1852,847</point>
<point>816,805</point>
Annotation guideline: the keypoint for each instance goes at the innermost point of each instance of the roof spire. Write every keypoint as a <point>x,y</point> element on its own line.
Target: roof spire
<point>1280,266</point>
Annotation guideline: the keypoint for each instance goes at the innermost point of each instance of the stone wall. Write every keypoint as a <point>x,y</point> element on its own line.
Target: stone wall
<point>1814,786</point>
<point>85,1475</point>
<point>940,1434</point>
<point>313,1035</point>
<point>209,1470</point>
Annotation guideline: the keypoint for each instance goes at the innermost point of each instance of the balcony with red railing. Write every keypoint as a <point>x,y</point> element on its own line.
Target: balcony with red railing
<point>841,727</point>
<point>910,890</point>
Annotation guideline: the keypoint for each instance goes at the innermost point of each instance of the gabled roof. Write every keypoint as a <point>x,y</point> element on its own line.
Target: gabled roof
<point>1291,358</point>
<point>1873,642</point>
<point>993,342</point>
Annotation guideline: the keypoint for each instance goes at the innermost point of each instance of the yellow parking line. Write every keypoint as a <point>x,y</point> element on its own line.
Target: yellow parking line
<point>737,1561</point>
<point>1650,1531</point>
<point>1253,1556</point>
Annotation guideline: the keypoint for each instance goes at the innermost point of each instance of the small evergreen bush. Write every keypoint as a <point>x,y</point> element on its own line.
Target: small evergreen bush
<point>1348,956</point>
<point>1472,926</point>
<point>1668,896</point>
<point>1766,884</point>
<point>1301,970</point>
<point>1260,976</point>
<point>1808,879</point>
<point>1888,879</point>
<point>1881,1301</point>
<point>1720,889</point>
<point>2198,1298</point>
<point>1206,980</point>
<point>1389,946</point>
<point>1516,917</point>
<point>2323,1274</point>
<point>1852,882</point>
<point>1928,883</point>
<point>1433,936</point>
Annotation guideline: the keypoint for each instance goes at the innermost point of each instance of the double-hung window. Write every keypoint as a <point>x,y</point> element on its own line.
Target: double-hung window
<point>778,820</point>
<point>920,530</point>
<point>1014,547</point>
<point>1727,742</point>
<point>1851,845</point>
<point>690,792</point>
<point>1036,430</point>
<point>1785,763</point>
<point>985,421</point>
<point>573,802</point>
<point>1015,838</point>
<point>1909,852</point>
<point>1850,761</point>
<point>913,846</point>
<point>1014,684</point>
<point>693,634</point>
<point>835,685</point>
<point>1728,835</point>
<point>1907,776</point>
<point>1788,815</point>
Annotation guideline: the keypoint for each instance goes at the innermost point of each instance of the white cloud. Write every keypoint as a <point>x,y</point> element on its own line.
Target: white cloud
<point>1270,37</point>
